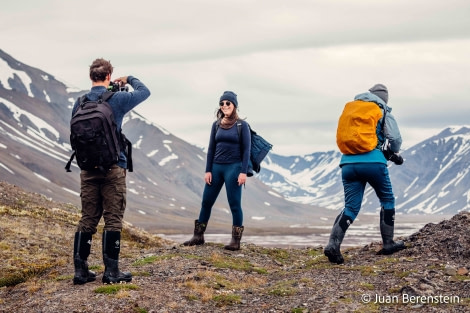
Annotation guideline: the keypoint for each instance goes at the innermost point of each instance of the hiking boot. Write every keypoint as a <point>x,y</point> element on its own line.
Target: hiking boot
<point>111,250</point>
<point>234,244</point>
<point>387,225</point>
<point>332,250</point>
<point>198,238</point>
<point>81,251</point>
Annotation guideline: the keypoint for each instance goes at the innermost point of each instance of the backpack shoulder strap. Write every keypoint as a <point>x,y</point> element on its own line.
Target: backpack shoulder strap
<point>69,163</point>
<point>383,120</point>
<point>82,99</point>
<point>239,129</point>
<point>128,152</point>
<point>105,96</point>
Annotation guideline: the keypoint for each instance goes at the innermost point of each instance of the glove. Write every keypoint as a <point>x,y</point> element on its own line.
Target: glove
<point>387,154</point>
<point>386,150</point>
<point>397,159</point>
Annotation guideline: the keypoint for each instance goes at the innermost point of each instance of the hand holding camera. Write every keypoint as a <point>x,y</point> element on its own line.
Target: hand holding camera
<point>390,156</point>
<point>397,159</point>
<point>118,85</point>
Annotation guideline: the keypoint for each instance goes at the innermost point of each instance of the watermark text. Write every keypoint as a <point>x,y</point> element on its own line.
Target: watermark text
<point>410,299</point>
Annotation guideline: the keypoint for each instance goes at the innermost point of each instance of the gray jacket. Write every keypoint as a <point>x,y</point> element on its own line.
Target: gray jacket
<point>391,130</point>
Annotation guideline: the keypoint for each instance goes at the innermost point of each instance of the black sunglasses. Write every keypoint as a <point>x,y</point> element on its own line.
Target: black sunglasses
<point>227,103</point>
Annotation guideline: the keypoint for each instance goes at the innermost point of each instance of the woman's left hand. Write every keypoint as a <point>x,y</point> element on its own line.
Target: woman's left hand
<point>241,179</point>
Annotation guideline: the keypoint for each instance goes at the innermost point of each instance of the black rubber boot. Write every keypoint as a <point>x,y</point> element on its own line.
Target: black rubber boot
<point>387,226</point>
<point>332,250</point>
<point>81,251</point>
<point>111,249</point>
<point>198,238</point>
<point>234,244</point>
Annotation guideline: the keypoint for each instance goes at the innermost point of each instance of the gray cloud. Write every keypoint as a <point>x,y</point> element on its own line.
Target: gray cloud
<point>294,64</point>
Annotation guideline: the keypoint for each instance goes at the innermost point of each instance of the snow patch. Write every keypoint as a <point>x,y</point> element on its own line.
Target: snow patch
<point>71,191</point>
<point>138,143</point>
<point>164,161</point>
<point>48,99</point>
<point>152,153</point>
<point>272,193</point>
<point>7,169</point>
<point>6,72</point>
<point>40,123</point>
<point>42,177</point>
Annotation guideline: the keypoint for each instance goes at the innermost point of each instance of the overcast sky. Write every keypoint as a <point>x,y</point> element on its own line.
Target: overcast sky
<point>293,64</point>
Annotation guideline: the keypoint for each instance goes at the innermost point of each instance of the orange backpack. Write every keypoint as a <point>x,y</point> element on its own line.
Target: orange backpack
<point>357,127</point>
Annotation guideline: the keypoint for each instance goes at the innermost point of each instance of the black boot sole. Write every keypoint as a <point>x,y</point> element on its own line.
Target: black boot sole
<point>116,281</point>
<point>333,256</point>
<point>82,281</point>
<point>231,248</point>
<point>392,250</point>
<point>198,243</point>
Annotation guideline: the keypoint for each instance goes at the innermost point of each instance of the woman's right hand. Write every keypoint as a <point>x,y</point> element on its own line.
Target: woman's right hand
<point>208,178</point>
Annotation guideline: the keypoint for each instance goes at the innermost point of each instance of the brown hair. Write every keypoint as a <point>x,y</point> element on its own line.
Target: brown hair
<point>227,122</point>
<point>99,69</point>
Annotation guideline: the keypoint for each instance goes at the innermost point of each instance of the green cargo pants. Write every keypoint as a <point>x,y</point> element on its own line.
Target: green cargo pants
<point>102,196</point>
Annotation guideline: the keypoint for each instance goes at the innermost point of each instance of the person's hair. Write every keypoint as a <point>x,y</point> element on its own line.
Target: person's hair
<point>227,122</point>
<point>99,69</point>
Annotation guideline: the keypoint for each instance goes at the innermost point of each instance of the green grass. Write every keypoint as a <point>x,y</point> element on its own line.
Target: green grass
<point>227,299</point>
<point>283,289</point>
<point>152,259</point>
<point>113,289</point>
<point>236,264</point>
<point>21,275</point>
<point>367,286</point>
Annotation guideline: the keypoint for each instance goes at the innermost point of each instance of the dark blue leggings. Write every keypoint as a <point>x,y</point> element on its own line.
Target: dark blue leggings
<point>228,174</point>
<point>356,176</point>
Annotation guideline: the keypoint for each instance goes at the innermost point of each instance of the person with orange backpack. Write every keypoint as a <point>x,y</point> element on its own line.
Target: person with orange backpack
<point>367,136</point>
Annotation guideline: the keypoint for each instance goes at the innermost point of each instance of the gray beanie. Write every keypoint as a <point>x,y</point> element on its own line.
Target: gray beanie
<point>380,91</point>
<point>230,96</point>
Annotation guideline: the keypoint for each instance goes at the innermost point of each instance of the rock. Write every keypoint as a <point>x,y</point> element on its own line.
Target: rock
<point>462,271</point>
<point>450,271</point>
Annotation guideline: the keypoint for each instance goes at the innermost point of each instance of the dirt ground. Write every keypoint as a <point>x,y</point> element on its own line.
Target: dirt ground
<point>36,270</point>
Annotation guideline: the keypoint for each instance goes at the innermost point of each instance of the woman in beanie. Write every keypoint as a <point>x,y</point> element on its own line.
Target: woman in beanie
<point>359,168</point>
<point>227,163</point>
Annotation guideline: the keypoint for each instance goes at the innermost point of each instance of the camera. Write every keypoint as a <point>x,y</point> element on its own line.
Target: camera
<point>115,87</point>
<point>390,156</point>
<point>397,159</point>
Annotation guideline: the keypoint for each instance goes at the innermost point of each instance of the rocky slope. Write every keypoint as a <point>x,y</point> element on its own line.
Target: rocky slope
<point>36,270</point>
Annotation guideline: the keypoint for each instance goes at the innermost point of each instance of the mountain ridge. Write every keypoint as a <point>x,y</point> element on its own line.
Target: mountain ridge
<point>164,191</point>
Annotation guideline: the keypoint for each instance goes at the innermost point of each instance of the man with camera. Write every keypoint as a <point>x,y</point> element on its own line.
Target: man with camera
<point>103,194</point>
<point>368,136</point>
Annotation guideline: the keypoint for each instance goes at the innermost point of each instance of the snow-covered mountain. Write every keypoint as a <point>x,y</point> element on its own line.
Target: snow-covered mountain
<point>164,191</point>
<point>433,179</point>
<point>310,179</point>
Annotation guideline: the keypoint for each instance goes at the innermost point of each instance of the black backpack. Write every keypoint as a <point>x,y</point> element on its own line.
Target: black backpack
<point>94,138</point>
<point>259,148</point>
